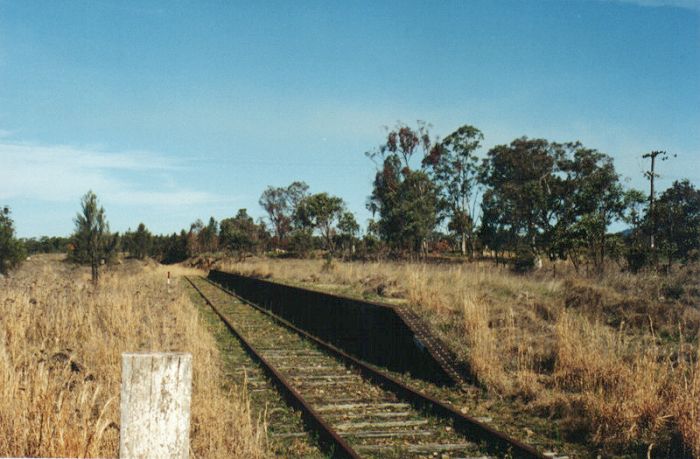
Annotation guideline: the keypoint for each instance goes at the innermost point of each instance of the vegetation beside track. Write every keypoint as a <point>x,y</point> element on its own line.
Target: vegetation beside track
<point>61,339</point>
<point>609,363</point>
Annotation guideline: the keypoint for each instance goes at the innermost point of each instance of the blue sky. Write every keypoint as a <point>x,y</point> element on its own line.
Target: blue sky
<point>172,111</point>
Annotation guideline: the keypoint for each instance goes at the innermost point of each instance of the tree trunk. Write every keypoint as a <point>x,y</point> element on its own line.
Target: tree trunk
<point>602,253</point>
<point>330,246</point>
<point>95,271</point>
<point>464,244</point>
<point>573,261</point>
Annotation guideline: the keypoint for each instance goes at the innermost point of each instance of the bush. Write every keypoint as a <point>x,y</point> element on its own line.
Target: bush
<point>11,250</point>
<point>673,290</point>
<point>301,242</point>
<point>524,259</point>
<point>637,258</point>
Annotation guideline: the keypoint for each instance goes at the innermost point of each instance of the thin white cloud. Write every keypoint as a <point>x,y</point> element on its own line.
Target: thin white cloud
<point>180,198</point>
<point>62,173</point>
<point>684,4</point>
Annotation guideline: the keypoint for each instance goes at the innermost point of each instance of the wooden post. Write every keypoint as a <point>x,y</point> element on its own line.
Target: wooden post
<point>155,405</point>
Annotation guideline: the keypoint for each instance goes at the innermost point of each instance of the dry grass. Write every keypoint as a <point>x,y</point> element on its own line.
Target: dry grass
<point>614,361</point>
<point>60,346</point>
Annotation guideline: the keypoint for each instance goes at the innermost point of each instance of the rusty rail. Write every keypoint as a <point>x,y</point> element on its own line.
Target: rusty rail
<point>385,335</point>
<point>328,437</point>
<point>496,440</point>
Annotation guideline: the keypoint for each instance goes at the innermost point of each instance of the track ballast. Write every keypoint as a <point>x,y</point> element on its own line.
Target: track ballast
<point>353,415</point>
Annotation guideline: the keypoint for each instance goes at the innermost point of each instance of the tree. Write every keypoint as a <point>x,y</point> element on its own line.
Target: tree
<point>559,199</point>
<point>371,245</point>
<point>301,241</point>
<point>522,193</point>
<point>348,228</point>
<point>494,232</point>
<point>678,221</point>
<point>138,243</point>
<point>280,203</point>
<point>92,240</point>
<point>453,167</point>
<point>320,212</point>
<point>208,236</point>
<point>636,247</point>
<point>46,244</point>
<point>240,233</point>
<point>274,201</point>
<point>592,198</point>
<point>175,248</point>
<point>11,249</point>
<point>406,200</point>
<point>194,241</point>
<point>416,210</point>
<point>142,241</point>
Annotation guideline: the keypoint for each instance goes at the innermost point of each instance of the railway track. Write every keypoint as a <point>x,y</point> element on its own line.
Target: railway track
<point>354,410</point>
<point>287,434</point>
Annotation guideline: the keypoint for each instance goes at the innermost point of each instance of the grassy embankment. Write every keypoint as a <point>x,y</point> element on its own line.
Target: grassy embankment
<point>613,360</point>
<point>60,346</point>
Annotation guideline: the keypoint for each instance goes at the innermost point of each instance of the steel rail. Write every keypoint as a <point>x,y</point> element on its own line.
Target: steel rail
<point>460,374</point>
<point>464,423</point>
<point>329,438</point>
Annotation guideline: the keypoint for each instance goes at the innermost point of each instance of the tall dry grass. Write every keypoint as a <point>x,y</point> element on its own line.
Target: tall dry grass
<point>624,390</point>
<point>584,353</point>
<point>60,346</point>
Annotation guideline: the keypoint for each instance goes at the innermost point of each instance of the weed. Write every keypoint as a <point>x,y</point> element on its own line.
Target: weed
<point>61,341</point>
<point>586,352</point>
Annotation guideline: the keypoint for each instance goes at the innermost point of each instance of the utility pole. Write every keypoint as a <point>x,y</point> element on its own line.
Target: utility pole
<point>650,174</point>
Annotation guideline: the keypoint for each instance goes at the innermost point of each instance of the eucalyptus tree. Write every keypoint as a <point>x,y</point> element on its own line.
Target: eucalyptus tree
<point>321,212</point>
<point>240,233</point>
<point>280,203</point>
<point>209,236</point>
<point>522,196</point>
<point>678,221</point>
<point>453,167</point>
<point>593,198</point>
<point>404,199</point>
<point>560,199</point>
<point>348,229</point>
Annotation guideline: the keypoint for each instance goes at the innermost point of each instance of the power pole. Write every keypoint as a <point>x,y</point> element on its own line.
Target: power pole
<point>650,174</point>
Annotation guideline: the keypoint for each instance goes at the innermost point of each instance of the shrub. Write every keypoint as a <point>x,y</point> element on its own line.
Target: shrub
<point>524,259</point>
<point>11,250</point>
<point>637,257</point>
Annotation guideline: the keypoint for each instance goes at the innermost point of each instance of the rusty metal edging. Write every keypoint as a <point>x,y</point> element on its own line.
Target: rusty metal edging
<point>462,422</point>
<point>340,448</point>
<point>437,349</point>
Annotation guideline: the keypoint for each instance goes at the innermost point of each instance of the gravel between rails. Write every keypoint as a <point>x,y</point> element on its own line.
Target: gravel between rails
<point>287,435</point>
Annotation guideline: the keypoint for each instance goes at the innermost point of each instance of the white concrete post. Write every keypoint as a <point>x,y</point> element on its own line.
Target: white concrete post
<point>155,405</point>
